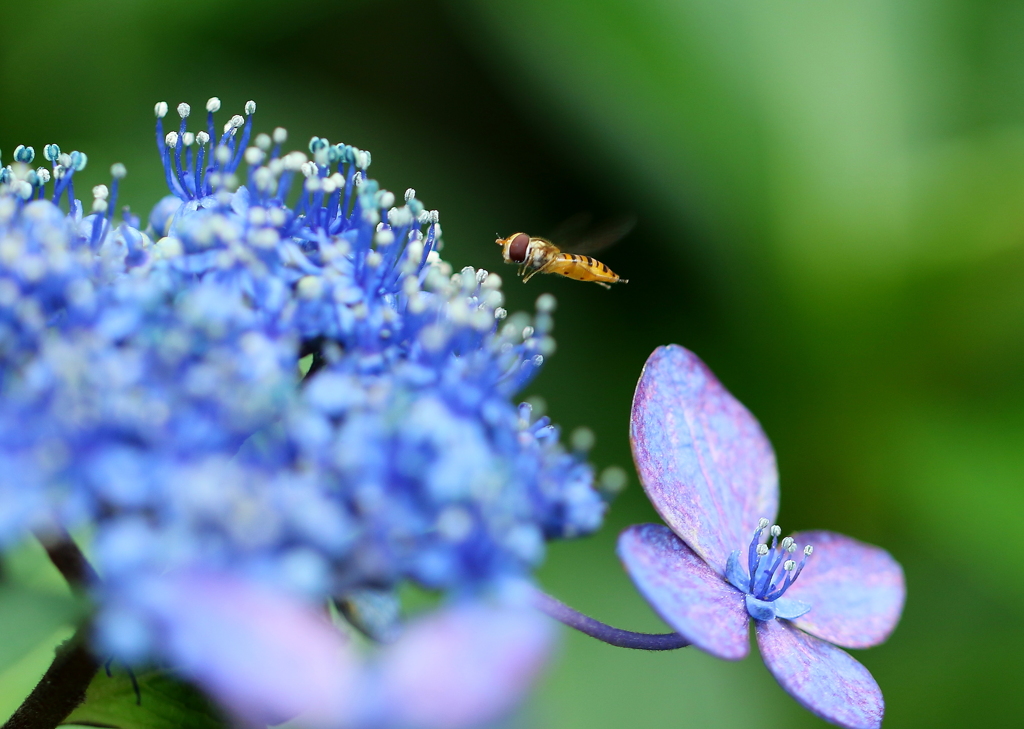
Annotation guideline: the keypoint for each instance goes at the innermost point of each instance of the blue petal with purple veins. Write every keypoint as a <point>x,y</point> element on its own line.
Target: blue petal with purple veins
<point>685,592</point>
<point>856,590</point>
<point>826,680</point>
<point>266,657</point>
<point>462,667</point>
<point>702,458</point>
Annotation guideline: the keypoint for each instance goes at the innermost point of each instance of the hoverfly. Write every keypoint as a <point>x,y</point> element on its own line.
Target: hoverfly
<point>539,255</point>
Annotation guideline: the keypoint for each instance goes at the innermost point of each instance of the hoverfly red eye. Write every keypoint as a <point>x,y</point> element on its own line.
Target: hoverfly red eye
<point>517,248</point>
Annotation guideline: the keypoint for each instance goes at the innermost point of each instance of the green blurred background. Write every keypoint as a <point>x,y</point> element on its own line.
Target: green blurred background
<point>829,197</point>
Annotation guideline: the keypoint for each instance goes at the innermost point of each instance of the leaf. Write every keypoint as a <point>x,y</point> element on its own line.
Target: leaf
<point>27,617</point>
<point>163,702</point>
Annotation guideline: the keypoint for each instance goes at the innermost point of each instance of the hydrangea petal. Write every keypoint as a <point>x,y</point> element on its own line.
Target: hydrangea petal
<point>685,592</point>
<point>463,666</point>
<point>826,680</point>
<point>856,590</point>
<point>264,656</point>
<point>703,459</point>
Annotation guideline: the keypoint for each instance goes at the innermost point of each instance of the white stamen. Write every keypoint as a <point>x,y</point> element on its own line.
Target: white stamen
<point>776,530</point>
<point>187,138</point>
<point>171,139</point>
<point>223,154</point>
<point>762,549</point>
<point>294,160</point>
<point>184,110</point>
<point>213,105</point>
<point>100,192</point>
<point>262,141</point>
<point>582,439</point>
<point>763,523</point>
<point>546,303</point>
<point>280,135</point>
<point>789,565</point>
<point>254,156</point>
<point>787,544</point>
<point>250,107</point>
<point>808,550</point>
<point>310,287</point>
<point>203,138</point>
<point>118,171</point>
<point>160,109</point>
<point>410,194</point>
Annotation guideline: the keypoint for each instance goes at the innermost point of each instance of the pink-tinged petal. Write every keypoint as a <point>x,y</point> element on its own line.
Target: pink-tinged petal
<point>703,459</point>
<point>856,591</point>
<point>464,666</point>
<point>265,656</point>
<point>684,591</point>
<point>826,680</point>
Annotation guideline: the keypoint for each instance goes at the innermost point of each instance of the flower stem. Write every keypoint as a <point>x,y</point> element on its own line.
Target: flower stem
<point>68,558</point>
<point>606,633</point>
<point>63,686</point>
<point>61,689</point>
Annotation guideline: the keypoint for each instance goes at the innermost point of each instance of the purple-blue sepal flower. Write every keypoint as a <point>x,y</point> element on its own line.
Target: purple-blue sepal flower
<point>269,657</point>
<point>265,656</point>
<point>710,472</point>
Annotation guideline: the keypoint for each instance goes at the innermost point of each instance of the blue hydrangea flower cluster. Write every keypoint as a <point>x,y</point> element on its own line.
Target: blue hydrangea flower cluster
<point>278,378</point>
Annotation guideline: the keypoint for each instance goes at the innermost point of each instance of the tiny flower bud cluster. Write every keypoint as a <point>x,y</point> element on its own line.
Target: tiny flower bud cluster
<point>278,379</point>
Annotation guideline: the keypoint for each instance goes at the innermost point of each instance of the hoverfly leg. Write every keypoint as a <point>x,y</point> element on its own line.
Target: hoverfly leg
<point>535,271</point>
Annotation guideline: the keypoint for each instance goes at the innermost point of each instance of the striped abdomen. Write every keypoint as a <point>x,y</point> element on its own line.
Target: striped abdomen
<point>583,268</point>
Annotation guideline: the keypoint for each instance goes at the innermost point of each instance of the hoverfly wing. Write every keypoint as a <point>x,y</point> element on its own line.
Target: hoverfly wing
<point>587,239</point>
<point>573,230</point>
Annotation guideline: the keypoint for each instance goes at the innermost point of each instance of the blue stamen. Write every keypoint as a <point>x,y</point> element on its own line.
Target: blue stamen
<point>764,585</point>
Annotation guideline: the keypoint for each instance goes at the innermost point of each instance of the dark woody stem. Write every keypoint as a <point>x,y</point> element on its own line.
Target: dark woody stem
<point>63,686</point>
<point>606,633</point>
<point>61,689</point>
<point>68,558</point>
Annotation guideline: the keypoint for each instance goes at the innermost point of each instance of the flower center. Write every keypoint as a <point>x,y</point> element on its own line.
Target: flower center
<point>771,570</point>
